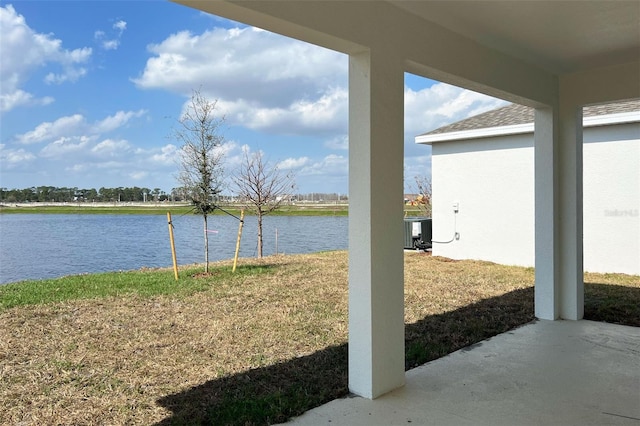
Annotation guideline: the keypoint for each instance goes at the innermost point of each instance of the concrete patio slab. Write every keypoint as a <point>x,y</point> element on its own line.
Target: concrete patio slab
<point>544,373</point>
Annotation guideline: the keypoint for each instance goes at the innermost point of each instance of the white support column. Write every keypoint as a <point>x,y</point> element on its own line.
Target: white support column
<point>376,268</point>
<point>570,208</point>
<point>559,285</point>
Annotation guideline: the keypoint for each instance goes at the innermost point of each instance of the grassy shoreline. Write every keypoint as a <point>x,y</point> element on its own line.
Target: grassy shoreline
<point>174,208</point>
<point>255,347</point>
<point>301,209</point>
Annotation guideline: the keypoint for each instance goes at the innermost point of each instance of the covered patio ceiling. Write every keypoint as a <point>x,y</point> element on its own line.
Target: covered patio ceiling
<point>555,56</point>
<point>559,36</point>
<point>472,44</point>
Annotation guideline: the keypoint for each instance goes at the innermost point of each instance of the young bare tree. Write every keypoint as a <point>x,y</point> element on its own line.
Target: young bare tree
<point>423,184</point>
<point>201,157</point>
<point>262,187</point>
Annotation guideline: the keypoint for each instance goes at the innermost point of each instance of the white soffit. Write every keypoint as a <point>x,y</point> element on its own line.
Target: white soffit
<point>593,121</point>
<point>560,36</point>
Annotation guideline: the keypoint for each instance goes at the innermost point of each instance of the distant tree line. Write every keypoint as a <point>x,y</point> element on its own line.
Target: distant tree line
<point>66,195</point>
<point>52,194</point>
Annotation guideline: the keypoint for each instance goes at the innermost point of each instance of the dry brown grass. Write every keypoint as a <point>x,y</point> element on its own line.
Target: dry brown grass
<point>108,361</point>
<point>270,346</point>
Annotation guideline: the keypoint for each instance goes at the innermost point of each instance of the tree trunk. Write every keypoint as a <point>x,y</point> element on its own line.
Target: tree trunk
<point>260,234</point>
<point>206,246</point>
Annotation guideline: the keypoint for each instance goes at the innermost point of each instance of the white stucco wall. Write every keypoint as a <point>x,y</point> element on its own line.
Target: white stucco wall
<point>492,182</point>
<point>492,179</point>
<point>612,199</point>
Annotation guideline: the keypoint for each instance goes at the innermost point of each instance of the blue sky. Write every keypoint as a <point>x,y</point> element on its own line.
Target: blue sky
<point>90,92</point>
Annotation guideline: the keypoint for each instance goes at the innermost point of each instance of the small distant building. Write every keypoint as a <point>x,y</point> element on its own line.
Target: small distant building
<point>483,187</point>
<point>408,198</point>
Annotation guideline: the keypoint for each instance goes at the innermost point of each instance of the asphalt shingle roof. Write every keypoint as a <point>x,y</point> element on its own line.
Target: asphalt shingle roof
<point>514,114</point>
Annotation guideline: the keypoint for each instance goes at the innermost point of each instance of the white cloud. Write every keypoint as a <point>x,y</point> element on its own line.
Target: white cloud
<point>235,63</point>
<point>63,126</point>
<point>293,163</point>
<point>110,160</point>
<point>338,143</point>
<point>120,26</point>
<point>90,161</point>
<point>419,165</point>
<point>442,104</point>
<point>9,158</point>
<point>326,114</point>
<point>76,125</point>
<point>113,167</point>
<point>138,175</point>
<point>78,168</point>
<point>78,148</point>
<point>226,148</point>
<point>71,75</point>
<point>262,80</point>
<point>328,174</point>
<point>331,165</point>
<point>115,121</point>
<point>166,155</point>
<point>111,43</point>
<point>9,101</point>
<point>23,51</point>
<point>64,146</point>
<point>111,148</point>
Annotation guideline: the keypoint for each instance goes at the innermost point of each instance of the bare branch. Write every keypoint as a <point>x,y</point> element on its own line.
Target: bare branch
<point>262,187</point>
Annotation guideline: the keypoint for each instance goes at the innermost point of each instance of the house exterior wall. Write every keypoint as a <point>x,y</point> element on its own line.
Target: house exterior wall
<point>612,199</point>
<point>492,181</point>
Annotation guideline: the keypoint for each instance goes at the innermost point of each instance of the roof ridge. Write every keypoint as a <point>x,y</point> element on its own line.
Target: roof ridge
<point>514,114</point>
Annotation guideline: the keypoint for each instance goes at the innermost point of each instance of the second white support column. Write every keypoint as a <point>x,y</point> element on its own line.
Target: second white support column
<point>570,209</point>
<point>559,287</point>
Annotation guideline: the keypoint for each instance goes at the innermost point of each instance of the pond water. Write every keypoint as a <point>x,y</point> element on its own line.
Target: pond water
<point>35,246</point>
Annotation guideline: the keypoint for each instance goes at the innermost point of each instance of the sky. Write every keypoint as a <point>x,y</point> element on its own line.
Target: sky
<point>91,91</point>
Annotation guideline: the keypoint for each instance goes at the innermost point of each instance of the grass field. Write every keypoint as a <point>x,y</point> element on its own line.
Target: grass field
<point>300,209</point>
<point>255,347</point>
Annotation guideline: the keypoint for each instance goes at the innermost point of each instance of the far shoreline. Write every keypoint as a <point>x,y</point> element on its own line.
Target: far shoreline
<point>298,209</point>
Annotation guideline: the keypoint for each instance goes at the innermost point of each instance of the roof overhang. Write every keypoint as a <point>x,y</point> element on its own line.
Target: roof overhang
<point>488,132</point>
